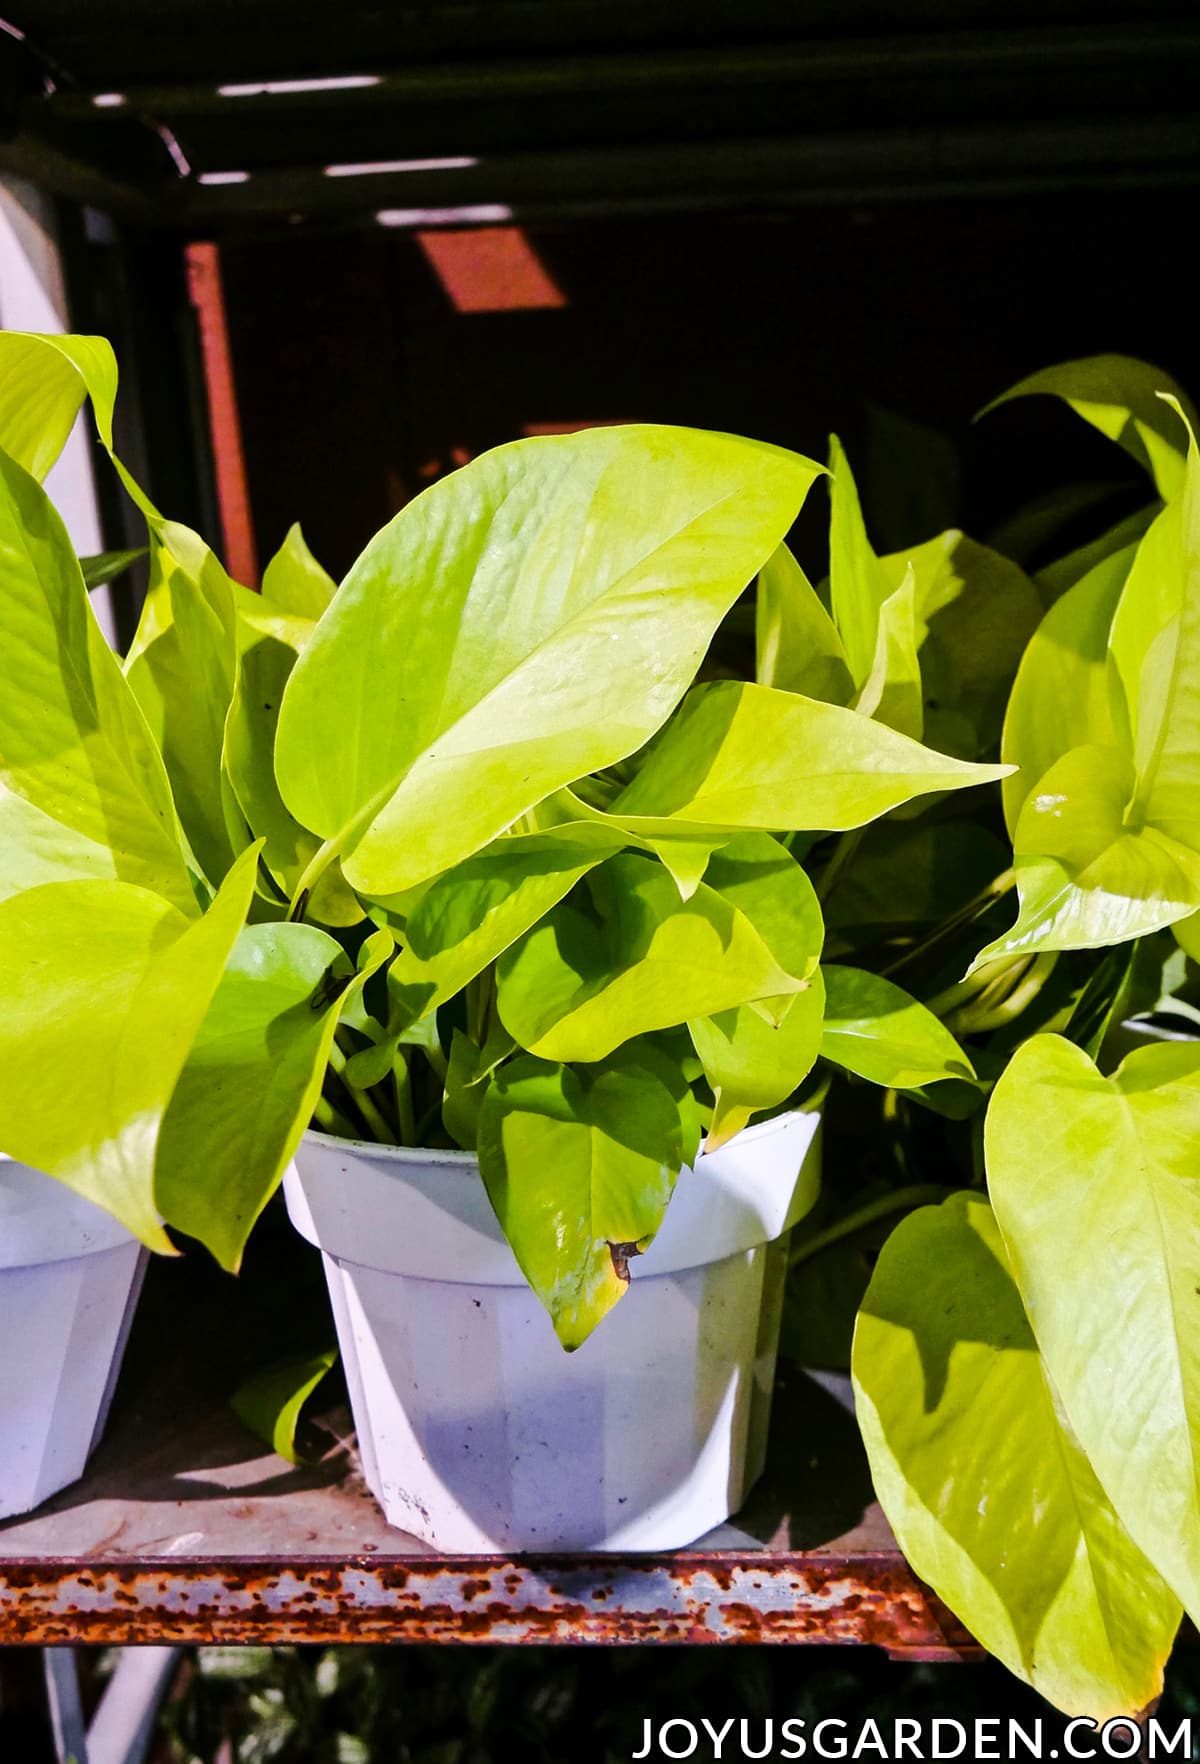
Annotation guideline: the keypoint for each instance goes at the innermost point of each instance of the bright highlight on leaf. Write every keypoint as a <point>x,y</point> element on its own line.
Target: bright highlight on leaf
<point>562,568</point>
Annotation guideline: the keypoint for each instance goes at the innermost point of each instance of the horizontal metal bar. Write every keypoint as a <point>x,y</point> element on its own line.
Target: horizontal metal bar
<point>920,162</point>
<point>967,56</point>
<point>792,1598</point>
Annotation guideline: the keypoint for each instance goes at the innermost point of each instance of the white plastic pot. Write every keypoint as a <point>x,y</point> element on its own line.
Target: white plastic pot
<point>69,1281</point>
<point>477,1432</point>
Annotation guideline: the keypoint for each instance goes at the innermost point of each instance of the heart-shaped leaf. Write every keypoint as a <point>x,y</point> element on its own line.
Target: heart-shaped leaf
<point>578,581</point>
<point>1120,396</point>
<point>1095,1187</point>
<point>579,1167</point>
<point>983,1483</point>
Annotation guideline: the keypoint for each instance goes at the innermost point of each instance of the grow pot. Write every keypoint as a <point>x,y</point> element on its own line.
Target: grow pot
<point>477,1432</point>
<point>69,1281</point>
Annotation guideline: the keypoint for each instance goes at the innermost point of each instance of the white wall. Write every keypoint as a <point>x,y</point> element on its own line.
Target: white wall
<point>33,298</point>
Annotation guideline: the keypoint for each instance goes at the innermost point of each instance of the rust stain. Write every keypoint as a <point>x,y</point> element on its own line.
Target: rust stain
<point>777,1599</point>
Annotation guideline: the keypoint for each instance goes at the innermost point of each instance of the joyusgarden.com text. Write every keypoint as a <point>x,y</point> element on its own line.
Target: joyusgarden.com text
<point>940,1737</point>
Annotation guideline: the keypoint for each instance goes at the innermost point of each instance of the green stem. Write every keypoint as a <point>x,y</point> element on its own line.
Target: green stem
<point>841,855</point>
<point>312,873</point>
<point>966,915</point>
<point>402,1080</point>
<point>899,1200</point>
<point>362,1100</point>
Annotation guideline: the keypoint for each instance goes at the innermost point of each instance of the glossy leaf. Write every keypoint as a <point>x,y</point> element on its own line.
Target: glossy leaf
<point>106,566</point>
<point>467,1076</point>
<point>270,1403</point>
<point>579,1167</point>
<point>975,612</point>
<point>891,691</point>
<point>473,913</point>
<point>1060,698</point>
<point>182,667</point>
<point>109,984</point>
<point>251,1080</point>
<point>44,381</point>
<point>1120,396</point>
<point>1055,578</point>
<point>36,849</point>
<point>876,1029</point>
<point>73,741</point>
<point>268,645</point>
<point>578,580</point>
<point>580,983</point>
<point>1094,1183</point>
<point>740,755</point>
<point>1086,877</point>
<point>1155,645</point>
<point>796,642</point>
<point>752,1061</point>
<point>752,1064</point>
<point>294,581</point>
<point>988,1493</point>
<point>858,586</point>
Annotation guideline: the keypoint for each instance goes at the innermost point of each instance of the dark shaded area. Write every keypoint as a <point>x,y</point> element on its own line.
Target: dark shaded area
<point>359,382</point>
<point>473,1706</point>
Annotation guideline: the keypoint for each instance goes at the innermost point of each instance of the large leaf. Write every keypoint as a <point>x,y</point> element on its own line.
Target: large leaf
<point>105,986</point>
<point>878,1030</point>
<point>268,644</point>
<point>1096,1189</point>
<point>44,381</point>
<point>1108,845</point>
<point>575,582</point>
<point>989,1495</point>
<point>294,581</point>
<point>73,741</point>
<point>582,982</point>
<point>740,755</point>
<point>1155,644</point>
<point>1121,397</point>
<point>858,586</point>
<point>472,914</point>
<point>796,642</point>
<point>270,1402</point>
<point>1060,698</point>
<point>891,691</point>
<point>34,849</point>
<point>975,612</point>
<point>1086,877</point>
<point>182,667</point>
<point>753,1062</point>
<point>579,1167</point>
<point>251,1080</point>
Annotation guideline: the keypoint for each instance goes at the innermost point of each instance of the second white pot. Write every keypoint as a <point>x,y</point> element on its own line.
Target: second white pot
<point>69,1281</point>
<point>477,1432</point>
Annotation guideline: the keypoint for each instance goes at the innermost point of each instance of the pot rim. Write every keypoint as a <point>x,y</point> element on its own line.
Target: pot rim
<point>468,1162</point>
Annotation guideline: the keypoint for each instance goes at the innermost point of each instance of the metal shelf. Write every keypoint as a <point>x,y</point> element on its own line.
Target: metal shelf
<point>186,1530</point>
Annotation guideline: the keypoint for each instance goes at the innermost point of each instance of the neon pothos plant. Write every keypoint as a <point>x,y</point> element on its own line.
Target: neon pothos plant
<point>1026,1358</point>
<point>468,851</point>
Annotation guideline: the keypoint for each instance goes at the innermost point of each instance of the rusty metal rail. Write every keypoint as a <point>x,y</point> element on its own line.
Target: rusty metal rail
<point>186,1530</point>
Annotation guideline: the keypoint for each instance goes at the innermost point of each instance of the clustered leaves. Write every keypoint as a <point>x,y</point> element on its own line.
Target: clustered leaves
<point>577,827</point>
